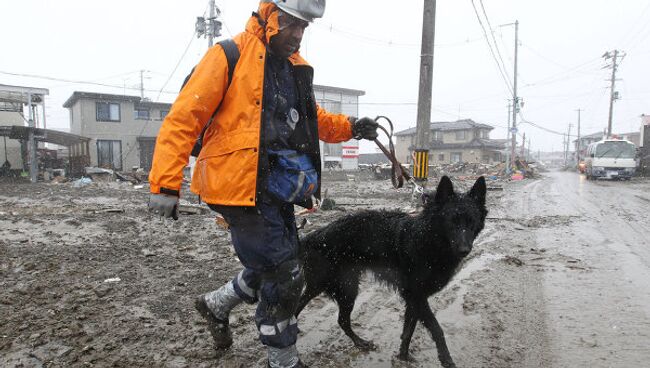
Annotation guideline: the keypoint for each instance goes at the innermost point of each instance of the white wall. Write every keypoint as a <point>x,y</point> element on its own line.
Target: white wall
<point>13,145</point>
<point>645,120</point>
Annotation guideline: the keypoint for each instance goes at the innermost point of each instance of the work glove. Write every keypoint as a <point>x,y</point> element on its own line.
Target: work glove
<point>164,205</point>
<point>364,128</point>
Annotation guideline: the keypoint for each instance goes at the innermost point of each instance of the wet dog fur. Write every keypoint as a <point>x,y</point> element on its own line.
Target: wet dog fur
<point>416,254</point>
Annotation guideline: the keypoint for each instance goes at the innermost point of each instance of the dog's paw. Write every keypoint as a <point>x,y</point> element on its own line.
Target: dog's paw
<point>365,345</point>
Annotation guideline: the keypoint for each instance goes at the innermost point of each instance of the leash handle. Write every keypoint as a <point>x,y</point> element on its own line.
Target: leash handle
<point>398,172</point>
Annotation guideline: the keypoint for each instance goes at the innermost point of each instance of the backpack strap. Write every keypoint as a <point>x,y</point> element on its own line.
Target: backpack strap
<point>232,56</point>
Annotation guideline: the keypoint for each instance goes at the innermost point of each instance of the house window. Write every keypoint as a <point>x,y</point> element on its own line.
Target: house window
<point>485,134</point>
<point>460,135</point>
<point>456,157</point>
<point>163,114</point>
<point>109,154</point>
<point>141,113</point>
<point>437,135</point>
<point>108,111</point>
<point>441,157</point>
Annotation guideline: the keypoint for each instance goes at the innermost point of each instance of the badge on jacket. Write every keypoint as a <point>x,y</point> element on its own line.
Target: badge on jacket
<point>293,117</point>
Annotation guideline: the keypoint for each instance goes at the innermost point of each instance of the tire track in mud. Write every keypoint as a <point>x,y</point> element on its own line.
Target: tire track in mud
<point>587,266</point>
<point>506,297</point>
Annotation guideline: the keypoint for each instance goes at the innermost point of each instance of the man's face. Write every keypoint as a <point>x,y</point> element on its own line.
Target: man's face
<point>288,39</point>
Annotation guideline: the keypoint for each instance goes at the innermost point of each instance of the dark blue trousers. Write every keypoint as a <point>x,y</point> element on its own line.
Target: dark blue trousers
<point>264,238</point>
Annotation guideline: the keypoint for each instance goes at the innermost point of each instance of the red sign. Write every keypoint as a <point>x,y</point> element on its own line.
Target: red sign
<point>350,152</point>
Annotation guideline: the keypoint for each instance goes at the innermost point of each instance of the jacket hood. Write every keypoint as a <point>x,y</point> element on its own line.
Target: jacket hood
<point>268,14</point>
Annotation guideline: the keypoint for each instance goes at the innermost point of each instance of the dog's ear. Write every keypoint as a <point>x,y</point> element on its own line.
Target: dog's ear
<point>478,191</point>
<point>445,190</point>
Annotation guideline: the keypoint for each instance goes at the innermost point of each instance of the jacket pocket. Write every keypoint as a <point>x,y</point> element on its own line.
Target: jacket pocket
<point>228,171</point>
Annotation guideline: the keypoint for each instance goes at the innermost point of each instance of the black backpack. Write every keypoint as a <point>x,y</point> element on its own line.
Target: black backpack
<point>232,55</point>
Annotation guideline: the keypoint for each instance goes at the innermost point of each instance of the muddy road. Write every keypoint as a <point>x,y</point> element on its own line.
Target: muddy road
<point>560,277</point>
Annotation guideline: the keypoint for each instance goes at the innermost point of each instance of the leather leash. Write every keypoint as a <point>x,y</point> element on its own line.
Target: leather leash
<point>398,172</point>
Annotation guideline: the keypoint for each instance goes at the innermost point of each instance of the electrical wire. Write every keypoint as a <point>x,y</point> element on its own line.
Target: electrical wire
<point>559,76</point>
<point>177,65</point>
<point>147,122</point>
<point>389,43</point>
<point>487,39</point>
<point>71,81</point>
<point>496,46</point>
<point>642,19</point>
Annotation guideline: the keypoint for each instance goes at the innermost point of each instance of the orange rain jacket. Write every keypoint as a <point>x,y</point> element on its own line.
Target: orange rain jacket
<point>227,168</point>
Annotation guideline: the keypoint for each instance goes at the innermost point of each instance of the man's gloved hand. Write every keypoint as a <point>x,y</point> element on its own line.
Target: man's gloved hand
<point>164,205</point>
<point>364,128</point>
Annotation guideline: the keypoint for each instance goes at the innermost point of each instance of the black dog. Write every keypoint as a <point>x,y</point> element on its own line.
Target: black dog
<point>417,255</point>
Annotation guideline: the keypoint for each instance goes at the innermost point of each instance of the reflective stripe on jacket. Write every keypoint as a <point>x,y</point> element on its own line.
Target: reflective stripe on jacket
<point>226,172</point>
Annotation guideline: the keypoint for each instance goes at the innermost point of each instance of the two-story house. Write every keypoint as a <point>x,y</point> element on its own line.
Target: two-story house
<point>450,142</point>
<point>123,129</point>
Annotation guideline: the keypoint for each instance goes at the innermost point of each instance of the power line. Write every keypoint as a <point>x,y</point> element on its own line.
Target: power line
<point>560,76</point>
<point>642,20</point>
<point>496,46</point>
<point>177,65</point>
<point>389,43</point>
<point>487,39</point>
<point>146,124</point>
<point>72,81</point>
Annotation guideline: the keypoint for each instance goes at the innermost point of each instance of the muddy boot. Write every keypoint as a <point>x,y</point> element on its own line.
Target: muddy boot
<point>215,307</point>
<point>284,358</point>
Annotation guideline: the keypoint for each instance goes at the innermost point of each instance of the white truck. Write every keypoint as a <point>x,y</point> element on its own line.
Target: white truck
<point>611,159</point>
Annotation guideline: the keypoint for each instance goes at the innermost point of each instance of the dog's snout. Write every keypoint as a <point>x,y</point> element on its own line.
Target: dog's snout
<point>464,251</point>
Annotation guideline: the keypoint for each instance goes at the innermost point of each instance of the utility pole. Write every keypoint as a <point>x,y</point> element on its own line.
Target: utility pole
<point>515,98</point>
<point>564,139</point>
<point>579,144</point>
<point>523,147</point>
<point>33,146</point>
<point>211,27</point>
<point>421,164</point>
<point>142,84</point>
<point>613,94</point>
<point>211,19</point>
<point>566,152</point>
<point>508,165</point>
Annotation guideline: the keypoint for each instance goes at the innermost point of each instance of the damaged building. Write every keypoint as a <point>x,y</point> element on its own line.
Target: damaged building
<point>29,148</point>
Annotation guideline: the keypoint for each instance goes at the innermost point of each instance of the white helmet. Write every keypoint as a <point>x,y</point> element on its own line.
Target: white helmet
<point>307,10</point>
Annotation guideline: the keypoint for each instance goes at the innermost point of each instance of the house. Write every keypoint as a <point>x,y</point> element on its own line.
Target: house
<point>645,131</point>
<point>123,128</point>
<point>586,140</point>
<point>450,142</point>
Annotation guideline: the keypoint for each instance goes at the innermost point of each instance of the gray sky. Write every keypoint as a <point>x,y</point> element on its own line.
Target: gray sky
<point>368,45</point>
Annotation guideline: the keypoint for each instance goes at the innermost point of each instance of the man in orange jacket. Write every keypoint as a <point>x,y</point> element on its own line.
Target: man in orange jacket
<point>267,126</point>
